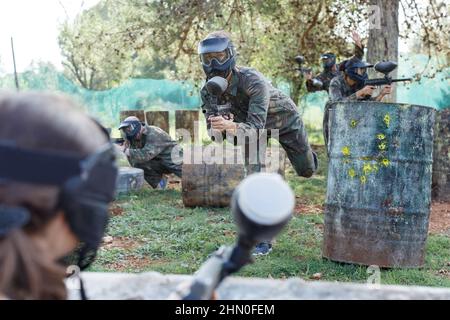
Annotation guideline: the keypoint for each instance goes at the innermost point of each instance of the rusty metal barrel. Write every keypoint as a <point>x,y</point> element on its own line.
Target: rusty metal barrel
<point>185,119</point>
<point>441,157</point>
<point>210,176</point>
<point>159,119</point>
<point>379,183</point>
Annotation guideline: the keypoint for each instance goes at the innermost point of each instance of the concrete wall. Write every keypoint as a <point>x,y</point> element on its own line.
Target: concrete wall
<point>115,286</point>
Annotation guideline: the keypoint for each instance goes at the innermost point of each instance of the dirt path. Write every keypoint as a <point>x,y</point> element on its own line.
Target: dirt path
<point>440,218</point>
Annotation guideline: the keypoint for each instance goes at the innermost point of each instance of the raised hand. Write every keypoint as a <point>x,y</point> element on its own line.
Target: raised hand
<point>356,38</point>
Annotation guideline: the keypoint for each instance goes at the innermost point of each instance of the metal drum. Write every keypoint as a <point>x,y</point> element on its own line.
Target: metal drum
<point>379,183</point>
<point>210,177</point>
<point>158,119</point>
<point>128,113</point>
<point>441,157</point>
<point>129,179</point>
<point>186,119</point>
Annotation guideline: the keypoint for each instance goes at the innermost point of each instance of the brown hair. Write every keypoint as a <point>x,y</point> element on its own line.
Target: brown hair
<point>38,121</point>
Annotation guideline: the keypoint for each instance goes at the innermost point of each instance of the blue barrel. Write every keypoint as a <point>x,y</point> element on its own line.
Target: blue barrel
<point>379,183</point>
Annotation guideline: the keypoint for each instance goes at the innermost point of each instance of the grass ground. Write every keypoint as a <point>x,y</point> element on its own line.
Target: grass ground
<point>152,231</point>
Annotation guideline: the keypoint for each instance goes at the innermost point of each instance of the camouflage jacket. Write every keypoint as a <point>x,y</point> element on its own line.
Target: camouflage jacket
<point>327,75</point>
<point>154,143</point>
<point>341,91</point>
<point>253,101</point>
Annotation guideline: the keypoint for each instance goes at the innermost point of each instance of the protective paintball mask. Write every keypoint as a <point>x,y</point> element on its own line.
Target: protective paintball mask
<point>131,129</point>
<point>218,56</point>
<point>360,79</point>
<point>328,60</point>
<point>352,68</point>
<point>87,186</point>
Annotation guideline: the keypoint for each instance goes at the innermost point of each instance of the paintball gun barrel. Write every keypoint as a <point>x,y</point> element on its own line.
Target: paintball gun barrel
<point>262,204</point>
<point>314,81</point>
<point>216,86</point>
<point>119,141</point>
<point>384,67</point>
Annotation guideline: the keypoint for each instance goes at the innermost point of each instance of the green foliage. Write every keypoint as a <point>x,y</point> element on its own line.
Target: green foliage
<point>90,54</point>
<point>169,238</point>
<point>116,40</point>
<point>103,41</point>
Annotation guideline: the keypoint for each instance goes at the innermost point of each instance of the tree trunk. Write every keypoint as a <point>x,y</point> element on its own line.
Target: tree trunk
<point>383,35</point>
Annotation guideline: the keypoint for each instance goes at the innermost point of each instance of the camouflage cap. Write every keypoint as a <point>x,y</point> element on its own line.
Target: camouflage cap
<point>357,63</point>
<point>128,121</point>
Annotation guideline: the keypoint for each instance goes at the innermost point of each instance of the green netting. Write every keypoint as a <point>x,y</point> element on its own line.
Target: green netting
<point>433,92</point>
<point>150,94</point>
<point>134,94</point>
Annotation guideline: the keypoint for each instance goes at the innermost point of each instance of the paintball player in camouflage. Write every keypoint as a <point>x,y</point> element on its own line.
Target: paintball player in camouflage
<point>255,105</point>
<point>330,68</point>
<point>349,86</point>
<point>150,148</point>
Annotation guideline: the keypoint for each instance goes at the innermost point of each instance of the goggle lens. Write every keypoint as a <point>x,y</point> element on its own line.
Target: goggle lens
<point>220,57</point>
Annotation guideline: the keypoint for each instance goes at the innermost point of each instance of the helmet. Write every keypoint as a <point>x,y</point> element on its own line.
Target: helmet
<point>131,126</point>
<point>328,60</point>
<point>217,55</point>
<point>87,187</point>
<point>351,71</point>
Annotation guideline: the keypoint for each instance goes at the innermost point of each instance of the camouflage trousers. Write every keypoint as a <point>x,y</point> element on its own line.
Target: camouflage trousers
<point>293,138</point>
<point>157,167</point>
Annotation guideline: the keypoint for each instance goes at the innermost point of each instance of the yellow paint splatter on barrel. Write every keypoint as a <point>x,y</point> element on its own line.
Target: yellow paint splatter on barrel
<point>346,150</point>
<point>387,120</point>
<point>352,173</point>
<point>367,168</point>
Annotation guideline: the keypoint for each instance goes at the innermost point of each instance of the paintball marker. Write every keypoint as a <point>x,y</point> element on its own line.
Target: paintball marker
<point>301,60</point>
<point>384,67</point>
<point>262,204</point>
<point>216,86</point>
<point>119,141</point>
